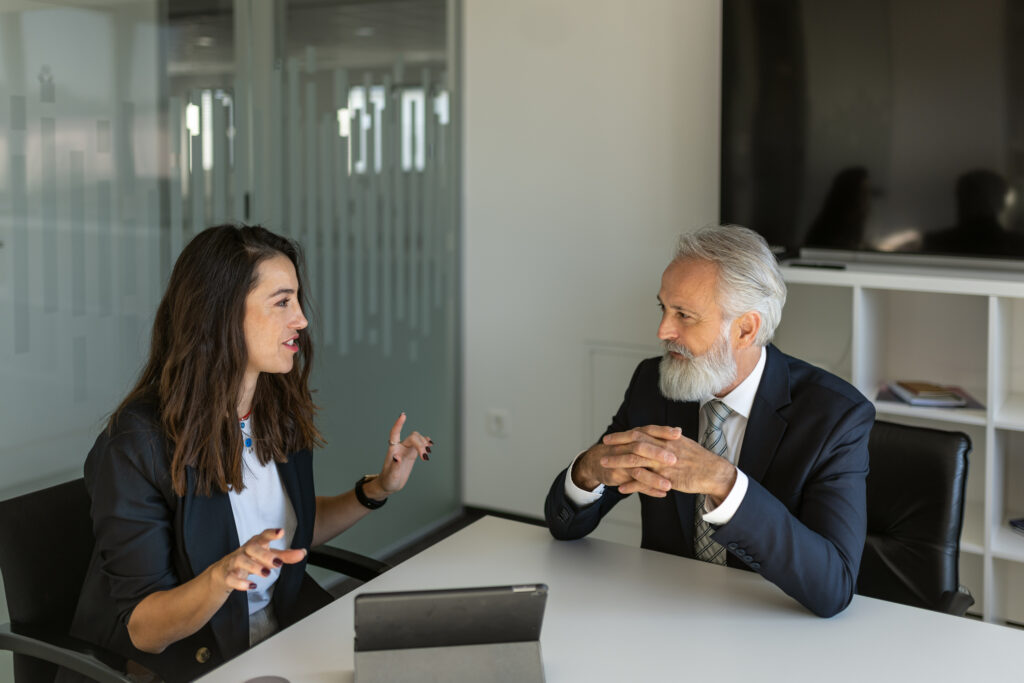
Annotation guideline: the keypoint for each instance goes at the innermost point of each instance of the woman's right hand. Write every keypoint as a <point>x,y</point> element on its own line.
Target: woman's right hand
<point>255,557</point>
<point>165,617</point>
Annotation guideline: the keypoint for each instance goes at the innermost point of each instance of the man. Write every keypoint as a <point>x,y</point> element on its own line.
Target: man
<point>741,454</point>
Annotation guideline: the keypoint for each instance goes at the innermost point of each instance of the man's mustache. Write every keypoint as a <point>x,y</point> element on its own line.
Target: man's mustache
<point>678,348</point>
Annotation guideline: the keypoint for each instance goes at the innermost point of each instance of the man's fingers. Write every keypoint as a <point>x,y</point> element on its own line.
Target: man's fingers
<point>619,438</point>
<point>620,445</point>
<point>638,455</point>
<point>650,479</point>
<point>662,432</point>
<point>633,486</point>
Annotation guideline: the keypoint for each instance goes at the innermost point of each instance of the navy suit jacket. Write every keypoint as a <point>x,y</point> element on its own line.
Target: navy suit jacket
<point>149,539</point>
<point>802,522</point>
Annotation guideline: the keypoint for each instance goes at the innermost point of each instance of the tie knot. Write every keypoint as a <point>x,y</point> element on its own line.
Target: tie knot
<point>716,412</point>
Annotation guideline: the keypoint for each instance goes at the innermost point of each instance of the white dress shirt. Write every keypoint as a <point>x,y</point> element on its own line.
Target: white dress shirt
<point>740,400</point>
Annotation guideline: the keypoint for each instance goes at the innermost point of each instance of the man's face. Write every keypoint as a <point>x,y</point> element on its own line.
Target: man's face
<point>698,360</point>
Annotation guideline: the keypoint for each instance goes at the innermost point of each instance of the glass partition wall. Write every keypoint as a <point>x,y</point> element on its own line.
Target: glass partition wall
<point>129,126</point>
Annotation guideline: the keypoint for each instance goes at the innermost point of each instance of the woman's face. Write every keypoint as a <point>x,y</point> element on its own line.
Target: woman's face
<point>273,317</point>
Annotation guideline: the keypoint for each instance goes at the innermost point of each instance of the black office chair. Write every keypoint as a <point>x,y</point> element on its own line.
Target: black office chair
<point>915,501</point>
<point>45,544</point>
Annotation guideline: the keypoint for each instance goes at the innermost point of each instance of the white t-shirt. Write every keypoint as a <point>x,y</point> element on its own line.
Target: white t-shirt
<point>262,504</point>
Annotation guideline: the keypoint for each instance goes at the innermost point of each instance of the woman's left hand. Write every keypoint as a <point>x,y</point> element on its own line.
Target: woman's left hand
<point>402,455</point>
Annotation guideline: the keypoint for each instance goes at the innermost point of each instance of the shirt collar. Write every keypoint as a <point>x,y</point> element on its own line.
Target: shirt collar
<point>741,399</point>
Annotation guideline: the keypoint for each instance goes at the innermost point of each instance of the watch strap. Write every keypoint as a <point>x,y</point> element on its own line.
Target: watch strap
<point>365,500</point>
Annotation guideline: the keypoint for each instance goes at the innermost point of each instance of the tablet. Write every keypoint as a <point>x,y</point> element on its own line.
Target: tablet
<point>449,617</point>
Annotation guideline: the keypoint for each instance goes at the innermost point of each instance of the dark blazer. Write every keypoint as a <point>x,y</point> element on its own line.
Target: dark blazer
<point>149,539</point>
<point>802,522</point>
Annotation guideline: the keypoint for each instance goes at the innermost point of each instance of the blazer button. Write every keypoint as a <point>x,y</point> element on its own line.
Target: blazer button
<point>733,546</point>
<point>203,655</point>
<point>755,565</point>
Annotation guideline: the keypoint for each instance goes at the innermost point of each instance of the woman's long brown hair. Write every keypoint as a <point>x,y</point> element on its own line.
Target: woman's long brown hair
<point>198,357</point>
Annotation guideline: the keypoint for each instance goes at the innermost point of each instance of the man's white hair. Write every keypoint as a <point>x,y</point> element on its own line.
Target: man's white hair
<point>748,275</point>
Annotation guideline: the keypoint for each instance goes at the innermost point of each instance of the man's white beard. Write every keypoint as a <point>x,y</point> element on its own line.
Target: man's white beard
<point>693,378</point>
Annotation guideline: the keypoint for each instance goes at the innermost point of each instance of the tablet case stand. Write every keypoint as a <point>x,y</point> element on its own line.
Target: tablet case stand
<point>489,663</point>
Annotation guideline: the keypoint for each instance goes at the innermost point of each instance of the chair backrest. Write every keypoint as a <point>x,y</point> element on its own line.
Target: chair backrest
<point>915,505</point>
<point>45,545</point>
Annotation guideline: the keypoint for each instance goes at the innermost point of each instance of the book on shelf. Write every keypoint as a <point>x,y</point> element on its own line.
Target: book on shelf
<point>1017,525</point>
<point>922,393</point>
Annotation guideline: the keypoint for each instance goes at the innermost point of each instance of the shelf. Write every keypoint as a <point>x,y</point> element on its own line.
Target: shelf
<point>876,323</point>
<point>1007,544</point>
<point>911,279</point>
<point>967,416</point>
<point>1011,414</point>
<point>972,538</point>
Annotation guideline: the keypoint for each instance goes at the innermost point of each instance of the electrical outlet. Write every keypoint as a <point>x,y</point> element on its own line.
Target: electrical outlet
<point>496,422</point>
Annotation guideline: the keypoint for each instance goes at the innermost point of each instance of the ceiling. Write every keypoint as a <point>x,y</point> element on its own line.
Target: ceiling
<point>349,33</point>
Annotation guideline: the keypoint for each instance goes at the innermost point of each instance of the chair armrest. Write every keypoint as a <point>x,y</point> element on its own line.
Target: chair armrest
<point>75,655</point>
<point>957,602</point>
<point>346,562</point>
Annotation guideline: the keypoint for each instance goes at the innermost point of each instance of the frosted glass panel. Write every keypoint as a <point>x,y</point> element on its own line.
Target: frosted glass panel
<point>126,129</point>
<point>370,190</point>
<point>80,214</point>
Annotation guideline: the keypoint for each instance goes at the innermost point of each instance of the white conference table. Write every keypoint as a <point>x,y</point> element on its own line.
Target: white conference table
<point>620,613</point>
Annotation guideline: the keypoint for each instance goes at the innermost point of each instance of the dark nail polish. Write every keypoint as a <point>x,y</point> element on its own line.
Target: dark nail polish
<point>277,531</point>
<point>426,457</point>
<point>252,586</point>
<point>265,571</point>
<point>428,449</point>
<point>278,562</point>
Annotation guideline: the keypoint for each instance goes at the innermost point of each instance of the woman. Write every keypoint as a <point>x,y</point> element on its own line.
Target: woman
<point>202,483</point>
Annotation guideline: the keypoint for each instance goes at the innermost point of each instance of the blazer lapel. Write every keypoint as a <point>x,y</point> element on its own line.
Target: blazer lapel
<point>292,486</point>
<point>765,426</point>
<point>208,534</point>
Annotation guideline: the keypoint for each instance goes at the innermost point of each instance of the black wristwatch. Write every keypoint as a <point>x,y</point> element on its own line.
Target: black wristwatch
<point>365,500</point>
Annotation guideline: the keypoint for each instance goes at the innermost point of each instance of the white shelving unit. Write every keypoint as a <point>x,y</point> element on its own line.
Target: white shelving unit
<point>873,323</point>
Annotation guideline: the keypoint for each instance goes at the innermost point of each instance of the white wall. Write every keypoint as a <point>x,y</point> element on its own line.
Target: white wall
<point>590,141</point>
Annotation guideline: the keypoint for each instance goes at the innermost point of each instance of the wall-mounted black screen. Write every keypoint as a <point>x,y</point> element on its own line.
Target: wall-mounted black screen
<point>875,125</point>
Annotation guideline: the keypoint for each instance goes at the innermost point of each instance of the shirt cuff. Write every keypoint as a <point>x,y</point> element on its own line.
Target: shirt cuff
<point>581,498</point>
<point>723,513</point>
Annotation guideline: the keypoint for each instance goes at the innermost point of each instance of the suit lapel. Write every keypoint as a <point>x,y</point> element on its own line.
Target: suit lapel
<point>685,416</point>
<point>765,426</point>
<point>764,432</point>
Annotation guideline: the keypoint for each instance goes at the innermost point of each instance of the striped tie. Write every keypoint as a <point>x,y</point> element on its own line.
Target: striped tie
<point>713,439</point>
